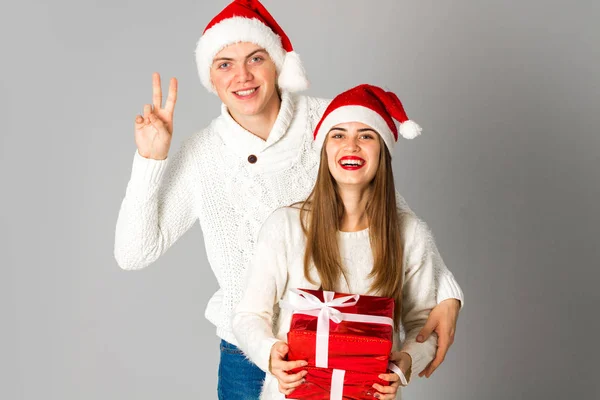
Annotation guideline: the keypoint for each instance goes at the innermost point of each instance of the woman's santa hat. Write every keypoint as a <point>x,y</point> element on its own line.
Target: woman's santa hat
<point>249,21</point>
<point>372,106</point>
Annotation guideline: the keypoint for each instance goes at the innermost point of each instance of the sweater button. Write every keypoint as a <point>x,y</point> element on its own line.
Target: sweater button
<point>252,159</point>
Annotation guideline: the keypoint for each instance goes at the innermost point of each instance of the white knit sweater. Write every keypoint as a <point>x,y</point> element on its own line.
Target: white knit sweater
<point>278,266</point>
<point>211,180</point>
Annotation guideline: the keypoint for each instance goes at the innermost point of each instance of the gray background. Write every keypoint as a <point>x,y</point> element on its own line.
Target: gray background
<point>506,173</point>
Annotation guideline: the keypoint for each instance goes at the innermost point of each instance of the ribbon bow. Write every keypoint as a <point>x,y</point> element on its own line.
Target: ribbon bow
<point>307,303</point>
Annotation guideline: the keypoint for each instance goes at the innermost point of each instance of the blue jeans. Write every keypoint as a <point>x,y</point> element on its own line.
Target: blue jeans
<point>239,378</point>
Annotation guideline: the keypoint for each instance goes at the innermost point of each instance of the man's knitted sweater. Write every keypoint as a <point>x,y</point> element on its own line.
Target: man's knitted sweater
<point>230,181</point>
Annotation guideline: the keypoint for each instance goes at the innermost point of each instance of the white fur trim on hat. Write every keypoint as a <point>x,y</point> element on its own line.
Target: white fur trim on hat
<point>235,30</point>
<point>356,114</point>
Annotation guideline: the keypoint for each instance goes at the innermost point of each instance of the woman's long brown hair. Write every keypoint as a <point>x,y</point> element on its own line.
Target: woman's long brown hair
<point>321,216</point>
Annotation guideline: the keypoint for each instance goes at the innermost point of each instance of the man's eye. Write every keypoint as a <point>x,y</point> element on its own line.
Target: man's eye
<point>257,59</point>
<point>224,65</point>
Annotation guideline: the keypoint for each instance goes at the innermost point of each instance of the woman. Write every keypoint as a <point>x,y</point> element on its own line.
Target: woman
<point>346,237</point>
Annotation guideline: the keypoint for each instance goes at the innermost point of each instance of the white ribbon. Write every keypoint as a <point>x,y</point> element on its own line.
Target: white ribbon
<point>337,384</point>
<point>337,381</point>
<point>338,375</point>
<point>308,304</point>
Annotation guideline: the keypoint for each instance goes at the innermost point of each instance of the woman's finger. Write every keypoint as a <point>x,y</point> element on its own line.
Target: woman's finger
<point>292,385</point>
<point>390,377</point>
<point>382,396</point>
<point>287,365</point>
<point>385,389</point>
<point>284,390</point>
<point>290,365</point>
<point>284,377</point>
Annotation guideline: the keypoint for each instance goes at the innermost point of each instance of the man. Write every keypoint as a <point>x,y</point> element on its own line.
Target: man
<point>258,155</point>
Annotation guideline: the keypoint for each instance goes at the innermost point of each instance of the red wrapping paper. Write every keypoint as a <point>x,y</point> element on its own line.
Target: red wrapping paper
<point>353,346</point>
<point>357,385</point>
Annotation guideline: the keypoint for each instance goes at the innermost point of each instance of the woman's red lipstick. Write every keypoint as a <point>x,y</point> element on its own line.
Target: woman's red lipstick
<point>351,163</point>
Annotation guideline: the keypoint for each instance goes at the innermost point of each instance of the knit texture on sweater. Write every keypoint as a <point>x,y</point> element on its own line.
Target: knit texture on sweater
<point>211,180</point>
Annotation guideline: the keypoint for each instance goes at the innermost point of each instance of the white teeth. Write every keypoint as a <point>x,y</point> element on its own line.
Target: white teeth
<point>245,92</point>
<point>352,162</point>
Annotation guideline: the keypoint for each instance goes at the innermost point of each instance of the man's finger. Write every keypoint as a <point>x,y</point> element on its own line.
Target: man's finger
<point>443,346</point>
<point>422,373</point>
<point>156,91</point>
<point>440,355</point>
<point>437,361</point>
<point>429,327</point>
<point>147,111</point>
<point>451,338</point>
<point>157,124</point>
<point>171,97</point>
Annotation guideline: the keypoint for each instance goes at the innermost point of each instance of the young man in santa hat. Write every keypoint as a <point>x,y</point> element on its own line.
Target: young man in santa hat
<point>257,156</point>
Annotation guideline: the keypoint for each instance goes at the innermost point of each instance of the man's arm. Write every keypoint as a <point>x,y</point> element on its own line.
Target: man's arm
<point>450,299</point>
<point>159,202</point>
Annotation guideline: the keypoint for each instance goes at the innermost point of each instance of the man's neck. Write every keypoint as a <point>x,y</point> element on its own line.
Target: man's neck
<point>261,124</point>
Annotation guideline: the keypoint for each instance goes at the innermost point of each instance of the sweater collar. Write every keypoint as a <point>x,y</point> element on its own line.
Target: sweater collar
<point>235,136</point>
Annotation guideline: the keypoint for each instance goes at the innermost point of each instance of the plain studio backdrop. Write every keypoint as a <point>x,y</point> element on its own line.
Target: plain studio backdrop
<point>506,174</point>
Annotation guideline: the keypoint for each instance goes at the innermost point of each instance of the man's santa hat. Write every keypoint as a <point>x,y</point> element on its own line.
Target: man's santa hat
<point>372,106</point>
<point>249,21</point>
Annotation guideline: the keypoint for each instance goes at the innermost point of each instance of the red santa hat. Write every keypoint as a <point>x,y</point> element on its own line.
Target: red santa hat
<point>372,106</point>
<point>249,21</point>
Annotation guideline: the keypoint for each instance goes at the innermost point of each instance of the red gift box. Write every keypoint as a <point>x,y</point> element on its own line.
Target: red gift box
<point>327,383</point>
<point>350,343</point>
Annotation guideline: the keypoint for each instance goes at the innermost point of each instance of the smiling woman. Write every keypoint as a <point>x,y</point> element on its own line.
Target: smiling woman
<point>347,236</point>
<point>353,153</point>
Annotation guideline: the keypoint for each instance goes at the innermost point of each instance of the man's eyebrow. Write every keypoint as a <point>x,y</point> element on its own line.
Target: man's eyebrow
<point>231,59</point>
<point>222,59</point>
<point>335,128</point>
<point>255,51</point>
